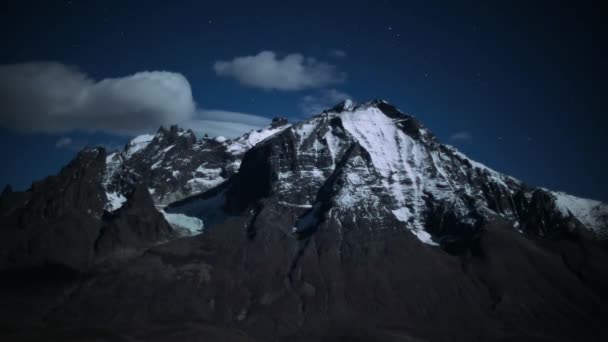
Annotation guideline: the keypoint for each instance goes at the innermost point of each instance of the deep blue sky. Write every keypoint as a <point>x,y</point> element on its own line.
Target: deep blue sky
<point>523,81</point>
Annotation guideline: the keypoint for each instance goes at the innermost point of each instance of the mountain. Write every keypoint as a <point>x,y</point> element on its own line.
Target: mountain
<point>103,206</point>
<point>356,224</point>
<point>174,165</point>
<point>378,164</point>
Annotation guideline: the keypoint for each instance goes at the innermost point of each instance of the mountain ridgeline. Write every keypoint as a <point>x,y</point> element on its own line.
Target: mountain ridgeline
<point>355,224</point>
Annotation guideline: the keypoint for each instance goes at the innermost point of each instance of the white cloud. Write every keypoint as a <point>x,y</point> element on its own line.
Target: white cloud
<point>461,136</point>
<point>225,123</point>
<point>63,142</point>
<point>338,53</point>
<point>266,71</point>
<point>325,99</point>
<point>52,97</point>
<point>75,144</point>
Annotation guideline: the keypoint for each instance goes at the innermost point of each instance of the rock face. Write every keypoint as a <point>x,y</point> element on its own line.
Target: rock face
<point>132,228</point>
<point>64,219</point>
<point>174,165</point>
<point>101,208</point>
<point>372,162</point>
<point>357,224</point>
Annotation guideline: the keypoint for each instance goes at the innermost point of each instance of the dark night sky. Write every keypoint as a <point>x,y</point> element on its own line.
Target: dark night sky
<point>516,87</point>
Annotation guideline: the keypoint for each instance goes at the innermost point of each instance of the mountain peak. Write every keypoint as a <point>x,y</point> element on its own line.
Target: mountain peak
<point>278,122</point>
<point>340,107</point>
<point>374,158</point>
<point>350,106</point>
<point>172,130</point>
<point>405,122</point>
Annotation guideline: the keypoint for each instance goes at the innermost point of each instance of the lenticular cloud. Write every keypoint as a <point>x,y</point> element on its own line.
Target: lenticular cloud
<point>52,97</point>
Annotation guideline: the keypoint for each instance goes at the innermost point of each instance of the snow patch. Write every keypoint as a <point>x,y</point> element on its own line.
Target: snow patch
<point>247,141</point>
<point>211,171</point>
<point>378,134</point>
<point>138,144</point>
<point>110,157</point>
<point>423,236</point>
<point>591,213</point>
<point>115,201</point>
<point>304,130</point>
<point>192,225</point>
<point>205,183</point>
<point>113,163</point>
<point>156,165</point>
<point>402,214</point>
<point>308,206</point>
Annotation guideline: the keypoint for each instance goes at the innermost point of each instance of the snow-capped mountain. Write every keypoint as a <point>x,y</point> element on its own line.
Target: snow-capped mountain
<point>376,160</point>
<point>372,163</point>
<point>174,164</point>
<point>99,191</point>
<point>355,224</point>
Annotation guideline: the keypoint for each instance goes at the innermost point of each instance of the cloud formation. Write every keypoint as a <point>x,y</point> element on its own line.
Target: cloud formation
<point>338,53</point>
<point>462,137</point>
<point>266,71</point>
<point>63,142</point>
<point>325,99</point>
<point>78,143</point>
<point>52,97</point>
<point>224,123</point>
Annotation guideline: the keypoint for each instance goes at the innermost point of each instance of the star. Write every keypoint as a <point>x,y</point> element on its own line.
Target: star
<point>390,28</point>
<point>210,21</point>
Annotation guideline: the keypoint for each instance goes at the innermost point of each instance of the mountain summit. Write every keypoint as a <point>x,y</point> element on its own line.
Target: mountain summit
<point>354,224</point>
<point>381,167</point>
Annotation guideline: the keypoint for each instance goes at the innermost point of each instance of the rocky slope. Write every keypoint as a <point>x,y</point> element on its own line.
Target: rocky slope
<point>66,220</point>
<point>102,207</point>
<point>357,224</point>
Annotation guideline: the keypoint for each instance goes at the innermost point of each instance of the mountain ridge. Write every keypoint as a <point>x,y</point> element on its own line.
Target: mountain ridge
<point>354,224</point>
<point>495,190</point>
<point>434,180</point>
